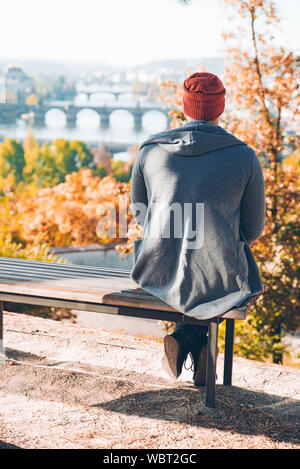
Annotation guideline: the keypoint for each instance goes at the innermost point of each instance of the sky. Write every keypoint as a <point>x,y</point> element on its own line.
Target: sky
<point>122,32</point>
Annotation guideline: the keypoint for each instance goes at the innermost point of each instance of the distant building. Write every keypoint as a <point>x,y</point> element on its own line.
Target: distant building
<point>102,157</point>
<point>15,85</point>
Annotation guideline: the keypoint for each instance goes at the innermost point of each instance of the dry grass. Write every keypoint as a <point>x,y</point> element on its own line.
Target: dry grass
<point>64,386</point>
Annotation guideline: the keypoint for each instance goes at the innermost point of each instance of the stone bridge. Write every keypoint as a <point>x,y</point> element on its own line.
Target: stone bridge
<point>112,92</point>
<point>9,113</point>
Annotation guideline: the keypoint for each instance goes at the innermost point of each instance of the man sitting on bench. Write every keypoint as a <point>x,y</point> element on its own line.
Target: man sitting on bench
<point>199,194</point>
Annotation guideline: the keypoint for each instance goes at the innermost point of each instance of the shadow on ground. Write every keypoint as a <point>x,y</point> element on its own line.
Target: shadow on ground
<point>4,445</point>
<point>238,410</point>
<point>21,355</point>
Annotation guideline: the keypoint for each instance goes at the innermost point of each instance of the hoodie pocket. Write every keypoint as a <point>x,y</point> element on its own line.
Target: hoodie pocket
<point>136,248</point>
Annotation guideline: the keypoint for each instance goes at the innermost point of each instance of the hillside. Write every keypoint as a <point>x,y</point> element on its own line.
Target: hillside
<point>69,386</point>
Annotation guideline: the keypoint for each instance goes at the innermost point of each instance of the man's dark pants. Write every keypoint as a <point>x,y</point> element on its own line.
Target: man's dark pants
<point>192,333</point>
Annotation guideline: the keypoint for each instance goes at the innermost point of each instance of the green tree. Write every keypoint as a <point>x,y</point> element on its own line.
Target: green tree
<point>12,161</point>
<point>100,171</point>
<point>31,154</point>
<point>49,165</point>
<point>47,169</point>
<point>121,171</point>
<point>72,156</point>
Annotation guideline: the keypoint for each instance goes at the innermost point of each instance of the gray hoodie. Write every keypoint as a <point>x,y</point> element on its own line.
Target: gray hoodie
<point>199,194</point>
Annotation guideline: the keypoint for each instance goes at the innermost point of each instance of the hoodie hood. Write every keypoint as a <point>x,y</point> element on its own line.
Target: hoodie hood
<point>193,139</point>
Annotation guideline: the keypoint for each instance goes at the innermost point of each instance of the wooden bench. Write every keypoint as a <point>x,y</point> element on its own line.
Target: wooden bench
<point>108,291</point>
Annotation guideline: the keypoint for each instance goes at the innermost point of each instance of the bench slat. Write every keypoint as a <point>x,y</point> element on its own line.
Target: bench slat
<point>95,286</point>
<point>107,284</point>
<point>6,261</point>
<point>101,308</point>
<point>100,295</point>
<point>43,274</point>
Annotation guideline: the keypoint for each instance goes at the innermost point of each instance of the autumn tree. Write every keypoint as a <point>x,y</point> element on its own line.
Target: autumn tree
<point>12,161</point>
<point>71,156</point>
<point>38,250</point>
<point>262,80</point>
<point>28,167</point>
<point>48,165</point>
<point>263,96</point>
<point>31,154</point>
<point>84,209</point>
<point>47,170</point>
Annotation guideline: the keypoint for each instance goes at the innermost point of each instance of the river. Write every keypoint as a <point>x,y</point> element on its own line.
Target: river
<point>88,125</point>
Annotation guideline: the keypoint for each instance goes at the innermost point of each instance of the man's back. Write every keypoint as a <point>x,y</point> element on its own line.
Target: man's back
<point>203,196</point>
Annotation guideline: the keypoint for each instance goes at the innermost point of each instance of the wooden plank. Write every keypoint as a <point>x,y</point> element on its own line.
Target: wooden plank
<point>5,261</point>
<point>32,276</point>
<point>110,283</point>
<point>135,297</point>
<point>43,274</point>
<point>99,296</point>
<point>236,313</point>
<point>16,260</point>
<point>89,284</point>
<point>60,272</point>
<point>79,285</point>
<point>241,311</point>
<point>106,309</point>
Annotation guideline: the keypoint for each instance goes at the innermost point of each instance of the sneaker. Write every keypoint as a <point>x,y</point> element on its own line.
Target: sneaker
<point>176,352</point>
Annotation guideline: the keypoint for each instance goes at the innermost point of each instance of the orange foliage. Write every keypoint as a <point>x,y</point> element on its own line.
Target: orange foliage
<point>171,94</point>
<point>263,95</point>
<point>82,210</point>
<point>262,80</point>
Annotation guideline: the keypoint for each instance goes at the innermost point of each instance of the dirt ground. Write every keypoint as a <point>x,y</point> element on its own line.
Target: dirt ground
<point>68,386</point>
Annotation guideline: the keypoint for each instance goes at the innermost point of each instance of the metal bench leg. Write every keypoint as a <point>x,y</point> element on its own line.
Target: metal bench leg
<point>211,363</point>
<point>229,340</point>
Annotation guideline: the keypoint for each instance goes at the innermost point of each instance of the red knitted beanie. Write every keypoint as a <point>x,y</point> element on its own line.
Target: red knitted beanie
<point>203,96</point>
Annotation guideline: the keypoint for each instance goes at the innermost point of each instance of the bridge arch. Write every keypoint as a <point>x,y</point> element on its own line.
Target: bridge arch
<point>88,119</point>
<point>154,121</point>
<point>121,118</point>
<point>126,96</point>
<point>81,98</point>
<point>101,97</point>
<point>55,118</point>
